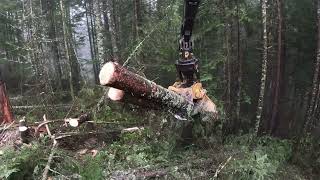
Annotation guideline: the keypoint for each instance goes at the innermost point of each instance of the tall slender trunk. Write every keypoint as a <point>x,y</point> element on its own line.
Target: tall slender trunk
<point>239,59</point>
<point>65,37</point>
<point>99,31</point>
<point>43,13</point>
<point>22,26</point>
<point>112,31</point>
<point>91,43</point>
<point>118,20</point>
<point>94,33</point>
<point>32,38</point>
<point>279,69</point>
<point>136,19</point>
<point>54,43</point>
<point>315,84</point>
<point>229,124</point>
<point>264,65</point>
<point>228,56</point>
<point>227,73</point>
<point>75,66</point>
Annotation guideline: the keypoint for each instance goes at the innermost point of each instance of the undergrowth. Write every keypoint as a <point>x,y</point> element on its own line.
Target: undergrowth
<point>152,150</point>
<point>258,159</point>
<point>21,163</point>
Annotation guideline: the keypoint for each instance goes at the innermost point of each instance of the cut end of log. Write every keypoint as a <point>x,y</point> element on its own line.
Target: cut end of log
<point>73,122</point>
<point>22,125</point>
<point>115,94</point>
<point>106,73</point>
<point>22,128</point>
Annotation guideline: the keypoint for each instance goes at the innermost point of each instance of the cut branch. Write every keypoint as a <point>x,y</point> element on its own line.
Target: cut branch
<point>50,159</point>
<point>62,106</point>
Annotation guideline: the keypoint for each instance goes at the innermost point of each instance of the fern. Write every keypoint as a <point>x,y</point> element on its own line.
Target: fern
<point>259,163</point>
<point>19,164</point>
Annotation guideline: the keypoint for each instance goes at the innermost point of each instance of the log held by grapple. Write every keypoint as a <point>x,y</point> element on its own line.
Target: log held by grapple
<point>124,82</point>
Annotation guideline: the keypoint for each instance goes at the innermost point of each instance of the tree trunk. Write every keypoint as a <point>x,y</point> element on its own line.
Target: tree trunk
<point>227,127</point>
<point>112,31</point>
<point>279,69</point>
<point>136,19</point>
<point>239,59</point>
<point>116,76</point>
<point>6,116</point>
<point>315,84</point>
<point>54,43</point>
<point>264,65</point>
<point>99,31</point>
<point>74,61</point>
<point>94,37</point>
<point>32,41</point>
<point>117,22</point>
<point>95,64</point>
<point>67,55</point>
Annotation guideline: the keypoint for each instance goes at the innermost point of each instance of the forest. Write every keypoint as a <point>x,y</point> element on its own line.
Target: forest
<point>98,89</point>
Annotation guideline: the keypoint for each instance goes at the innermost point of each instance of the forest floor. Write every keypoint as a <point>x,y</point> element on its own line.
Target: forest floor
<point>103,150</point>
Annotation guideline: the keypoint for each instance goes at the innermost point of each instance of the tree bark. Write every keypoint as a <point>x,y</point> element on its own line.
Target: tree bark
<point>315,84</point>
<point>136,19</point>
<point>65,37</point>
<point>279,69</point>
<point>120,96</point>
<point>99,31</point>
<point>227,71</point>
<point>95,64</point>
<point>55,44</point>
<point>7,116</point>
<point>32,41</point>
<point>264,65</point>
<point>116,76</point>
<point>239,59</point>
<point>112,31</point>
<point>74,61</point>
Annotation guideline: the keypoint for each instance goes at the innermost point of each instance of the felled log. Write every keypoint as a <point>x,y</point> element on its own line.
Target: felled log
<point>204,106</point>
<point>122,97</point>
<point>127,82</point>
<point>75,122</point>
<point>116,76</point>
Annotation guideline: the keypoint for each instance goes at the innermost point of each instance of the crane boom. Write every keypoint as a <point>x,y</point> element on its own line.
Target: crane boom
<point>190,11</point>
<point>187,65</point>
